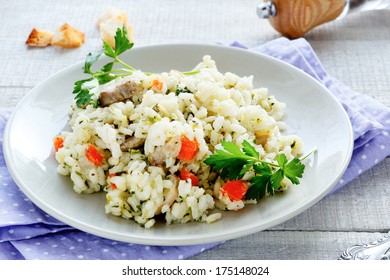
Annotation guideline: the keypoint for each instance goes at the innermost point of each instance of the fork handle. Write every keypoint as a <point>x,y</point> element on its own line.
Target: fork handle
<point>377,250</point>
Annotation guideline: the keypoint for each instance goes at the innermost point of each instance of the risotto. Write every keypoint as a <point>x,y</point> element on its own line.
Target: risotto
<point>146,144</point>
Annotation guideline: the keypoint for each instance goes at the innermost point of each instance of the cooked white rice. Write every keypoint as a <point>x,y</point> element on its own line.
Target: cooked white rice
<point>212,108</point>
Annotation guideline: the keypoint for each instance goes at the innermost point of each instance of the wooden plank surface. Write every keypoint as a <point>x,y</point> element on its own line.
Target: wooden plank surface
<point>287,245</point>
<point>355,50</point>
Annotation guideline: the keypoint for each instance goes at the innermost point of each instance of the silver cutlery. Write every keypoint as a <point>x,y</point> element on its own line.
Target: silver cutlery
<point>376,250</point>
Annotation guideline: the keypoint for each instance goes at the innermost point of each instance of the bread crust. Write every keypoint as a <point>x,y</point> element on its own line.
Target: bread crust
<point>68,37</point>
<point>39,38</point>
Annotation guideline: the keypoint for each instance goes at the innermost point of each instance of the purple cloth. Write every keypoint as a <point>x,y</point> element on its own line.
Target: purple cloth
<point>26,232</point>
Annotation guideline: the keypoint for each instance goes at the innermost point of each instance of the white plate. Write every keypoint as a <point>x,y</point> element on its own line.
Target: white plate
<point>312,113</point>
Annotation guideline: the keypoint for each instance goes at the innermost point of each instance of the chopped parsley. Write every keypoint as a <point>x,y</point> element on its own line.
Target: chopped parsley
<point>182,90</point>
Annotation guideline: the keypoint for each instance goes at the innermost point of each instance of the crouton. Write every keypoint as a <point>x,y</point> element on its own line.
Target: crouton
<point>68,37</point>
<point>39,38</point>
<point>110,21</point>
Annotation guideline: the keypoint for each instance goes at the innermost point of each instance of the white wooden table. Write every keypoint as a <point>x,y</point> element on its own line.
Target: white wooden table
<point>355,50</point>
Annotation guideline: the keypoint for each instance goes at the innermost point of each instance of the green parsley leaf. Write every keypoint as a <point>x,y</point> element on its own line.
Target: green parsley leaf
<point>107,67</point>
<point>82,95</point>
<point>78,85</point>
<point>260,186</point>
<point>234,163</point>
<point>265,182</point>
<point>233,168</point>
<point>228,165</point>
<point>276,179</point>
<point>122,42</point>
<point>245,169</point>
<point>90,60</point>
<point>262,168</point>
<point>107,77</point>
<point>232,148</point>
<point>281,159</point>
<point>108,50</point>
<point>294,170</point>
<point>83,98</point>
<point>249,150</point>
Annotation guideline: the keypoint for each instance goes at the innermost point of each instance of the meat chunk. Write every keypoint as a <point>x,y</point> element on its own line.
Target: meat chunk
<point>120,93</point>
<point>132,143</point>
<point>160,154</point>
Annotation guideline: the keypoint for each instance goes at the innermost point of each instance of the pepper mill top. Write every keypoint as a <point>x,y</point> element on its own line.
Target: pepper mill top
<point>294,18</point>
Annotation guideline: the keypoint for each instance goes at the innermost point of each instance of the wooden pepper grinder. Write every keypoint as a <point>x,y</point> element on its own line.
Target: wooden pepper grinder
<point>293,18</point>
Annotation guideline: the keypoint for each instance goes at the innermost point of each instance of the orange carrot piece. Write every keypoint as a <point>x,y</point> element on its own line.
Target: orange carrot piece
<point>113,186</point>
<point>188,149</point>
<point>93,155</point>
<point>185,175</point>
<point>58,142</point>
<point>157,84</point>
<point>235,189</point>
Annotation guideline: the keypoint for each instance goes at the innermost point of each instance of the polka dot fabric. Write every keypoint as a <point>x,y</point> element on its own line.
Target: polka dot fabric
<point>76,245</point>
<point>26,232</point>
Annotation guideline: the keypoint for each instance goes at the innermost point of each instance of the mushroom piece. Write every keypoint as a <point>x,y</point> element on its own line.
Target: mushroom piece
<point>262,137</point>
<point>171,196</point>
<point>158,157</point>
<point>132,143</point>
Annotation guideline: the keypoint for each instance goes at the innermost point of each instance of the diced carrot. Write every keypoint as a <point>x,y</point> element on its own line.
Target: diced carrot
<point>58,142</point>
<point>93,155</point>
<point>235,189</point>
<point>188,149</point>
<point>157,84</point>
<point>185,175</point>
<point>113,186</point>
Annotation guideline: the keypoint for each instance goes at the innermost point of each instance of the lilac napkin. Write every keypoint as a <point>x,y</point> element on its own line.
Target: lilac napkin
<point>26,232</point>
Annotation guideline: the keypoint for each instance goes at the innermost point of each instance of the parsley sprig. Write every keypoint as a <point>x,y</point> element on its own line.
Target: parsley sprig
<point>107,73</point>
<point>83,89</point>
<point>233,163</point>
